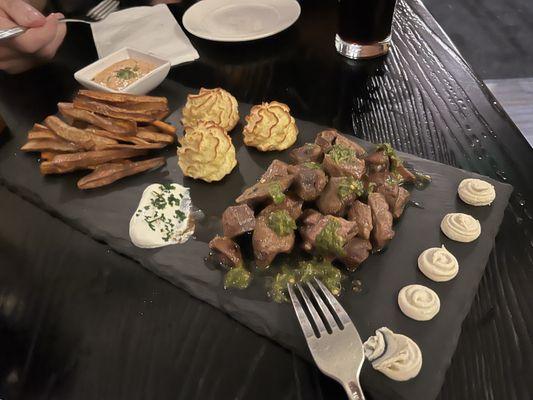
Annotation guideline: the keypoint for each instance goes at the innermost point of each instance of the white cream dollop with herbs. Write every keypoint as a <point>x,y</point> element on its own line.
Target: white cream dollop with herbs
<point>163,216</point>
<point>394,355</point>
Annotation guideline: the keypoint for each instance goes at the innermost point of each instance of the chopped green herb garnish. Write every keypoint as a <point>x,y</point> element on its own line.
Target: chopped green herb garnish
<point>274,189</point>
<point>350,186</point>
<point>328,241</point>
<point>238,278</point>
<point>126,73</point>
<point>305,271</point>
<point>341,154</point>
<point>387,149</point>
<point>167,186</point>
<point>173,200</point>
<point>281,222</point>
<point>180,215</point>
<point>312,165</point>
<point>158,201</point>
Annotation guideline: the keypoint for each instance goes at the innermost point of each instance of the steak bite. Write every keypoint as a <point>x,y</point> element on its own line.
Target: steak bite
<point>361,213</point>
<point>264,191</point>
<point>396,197</point>
<point>237,220</point>
<point>343,161</point>
<point>291,204</point>
<point>326,234</point>
<point>339,193</point>
<point>406,175</point>
<point>227,251</point>
<point>277,169</point>
<point>308,181</point>
<point>309,152</point>
<point>267,243</point>
<point>330,137</point>
<point>382,232</point>
<point>377,161</point>
<point>356,251</point>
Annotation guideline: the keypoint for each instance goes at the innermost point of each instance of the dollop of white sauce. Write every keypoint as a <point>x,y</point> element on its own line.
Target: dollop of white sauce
<point>476,192</point>
<point>163,217</point>
<point>438,264</point>
<point>460,227</point>
<point>418,302</point>
<point>396,356</point>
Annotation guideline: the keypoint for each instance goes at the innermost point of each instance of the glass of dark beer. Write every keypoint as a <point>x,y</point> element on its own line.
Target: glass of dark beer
<point>364,28</point>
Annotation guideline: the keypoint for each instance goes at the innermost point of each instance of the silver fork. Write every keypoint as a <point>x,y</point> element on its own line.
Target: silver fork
<point>95,14</point>
<point>331,336</point>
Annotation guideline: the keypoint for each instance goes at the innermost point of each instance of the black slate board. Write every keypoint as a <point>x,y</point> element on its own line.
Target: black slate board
<point>104,214</point>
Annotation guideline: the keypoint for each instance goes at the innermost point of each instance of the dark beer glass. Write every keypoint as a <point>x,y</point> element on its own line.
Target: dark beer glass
<point>364,27</point>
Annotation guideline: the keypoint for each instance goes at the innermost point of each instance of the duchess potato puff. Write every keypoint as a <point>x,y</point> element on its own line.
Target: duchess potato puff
<point>213,105</point>
<point>270,126</point>
<point>206,152</point>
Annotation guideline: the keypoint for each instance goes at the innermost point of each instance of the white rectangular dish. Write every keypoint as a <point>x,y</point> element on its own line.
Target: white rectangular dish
<point>142,86</point>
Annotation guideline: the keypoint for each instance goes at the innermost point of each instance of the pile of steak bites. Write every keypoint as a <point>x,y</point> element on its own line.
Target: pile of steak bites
<point>335,200</point>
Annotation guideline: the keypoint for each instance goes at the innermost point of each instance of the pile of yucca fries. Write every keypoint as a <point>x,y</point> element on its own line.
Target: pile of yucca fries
<point>102,132</point>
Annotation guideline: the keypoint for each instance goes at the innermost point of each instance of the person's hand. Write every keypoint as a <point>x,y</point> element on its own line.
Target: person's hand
<point>36,45</point>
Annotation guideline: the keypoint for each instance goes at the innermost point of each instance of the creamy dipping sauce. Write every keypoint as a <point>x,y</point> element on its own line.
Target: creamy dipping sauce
<point>123,73</point>
<point>163,217</point>
<point>394,355</point>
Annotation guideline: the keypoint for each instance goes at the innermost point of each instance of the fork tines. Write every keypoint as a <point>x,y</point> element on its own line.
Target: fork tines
<point>103,9</point>
<point>322,313</point>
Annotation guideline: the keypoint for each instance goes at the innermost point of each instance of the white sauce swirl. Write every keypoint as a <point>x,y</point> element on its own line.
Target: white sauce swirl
<point>438,264</point>
<point>476,192</point>
<point>394,355</point>
<point>163,217</point>
<point>418,302</point>
<point>460,227</point>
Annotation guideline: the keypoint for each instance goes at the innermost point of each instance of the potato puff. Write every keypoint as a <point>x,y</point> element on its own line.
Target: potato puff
<point>206,152</point>
<point>270,126</point>
<point>212,105</point>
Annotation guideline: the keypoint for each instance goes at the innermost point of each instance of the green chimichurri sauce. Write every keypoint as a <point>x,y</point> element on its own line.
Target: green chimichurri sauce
<point>349,186</point>
<point>328,241</point>
<point>341,154</point>
<point>395,161</point>
<point>274,189</point>
<point>312,165</point>
<point>305,271</point>
<point>281,222</point>
<point>237,278</point>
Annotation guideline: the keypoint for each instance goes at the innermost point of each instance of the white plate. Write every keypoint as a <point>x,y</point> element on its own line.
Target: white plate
<point>240,20</point>
<point>142,86</point>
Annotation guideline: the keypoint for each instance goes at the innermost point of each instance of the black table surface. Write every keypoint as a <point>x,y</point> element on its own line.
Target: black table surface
<point>78,321</point>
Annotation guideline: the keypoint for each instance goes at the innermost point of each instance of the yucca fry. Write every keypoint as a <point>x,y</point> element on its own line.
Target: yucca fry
<point>36,134</point>
<point>111,111</point>
<point>39,127</point>
<point>164,127</point>
<point>48,155</point>
<point>108,173</point>
<point>50,145</point>
<point>69,133</point>
<point>118,137</point>
<point>155,136</point>
<point>146,146</point>
<point>63,163</point>
<point>123,98</point>
<point>109,124</point>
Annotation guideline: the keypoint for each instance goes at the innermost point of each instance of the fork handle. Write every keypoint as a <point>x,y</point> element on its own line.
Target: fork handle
<point>15,31</point>
<point>12,32</point>
<point>354,391</point>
